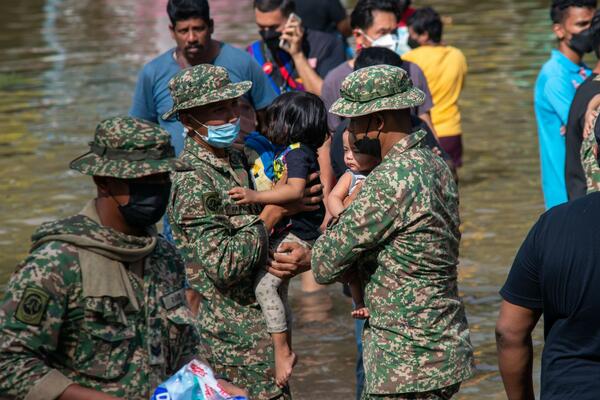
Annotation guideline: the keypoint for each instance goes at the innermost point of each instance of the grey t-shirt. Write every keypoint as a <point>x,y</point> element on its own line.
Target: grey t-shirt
<point>332,83</point>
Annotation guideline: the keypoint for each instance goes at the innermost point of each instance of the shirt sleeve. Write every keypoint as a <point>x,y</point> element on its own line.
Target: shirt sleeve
<point>560,96</point>
<point>299,161</point>
<point>421,82</point>
<point>331,55</point>
<point>522,286</point>
<point>262,93</point>
<point>369,221</point>
<point>142,105</point>
<point>209,241</point>
<point>329,94</point>
<point>31,317</point>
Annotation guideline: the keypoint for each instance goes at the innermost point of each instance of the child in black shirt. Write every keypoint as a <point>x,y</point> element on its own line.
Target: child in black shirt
<point>297,120</point>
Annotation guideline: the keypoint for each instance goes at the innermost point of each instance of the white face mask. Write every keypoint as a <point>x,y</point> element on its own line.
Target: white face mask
<point>389,41</point>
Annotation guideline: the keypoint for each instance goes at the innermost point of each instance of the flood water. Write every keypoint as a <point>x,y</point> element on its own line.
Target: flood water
<point>67,64</point>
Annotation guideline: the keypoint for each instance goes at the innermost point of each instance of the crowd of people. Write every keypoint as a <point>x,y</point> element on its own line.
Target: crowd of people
<point>304,156</point>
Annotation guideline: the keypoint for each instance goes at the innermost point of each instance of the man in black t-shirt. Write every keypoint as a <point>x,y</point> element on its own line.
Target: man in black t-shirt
<point>294,58</point>
<point>574,175</point>
<point>555,273</point>
<point>324,15</point>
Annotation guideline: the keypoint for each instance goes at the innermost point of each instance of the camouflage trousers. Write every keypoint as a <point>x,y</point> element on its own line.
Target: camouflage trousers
<point>445,393</point>
<point>256,379</point>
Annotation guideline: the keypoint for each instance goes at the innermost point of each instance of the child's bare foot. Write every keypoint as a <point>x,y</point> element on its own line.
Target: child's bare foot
<point>284,363</point>
<point>360,313</point>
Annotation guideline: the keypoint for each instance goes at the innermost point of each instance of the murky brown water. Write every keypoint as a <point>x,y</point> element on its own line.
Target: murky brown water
<point>64,65</point>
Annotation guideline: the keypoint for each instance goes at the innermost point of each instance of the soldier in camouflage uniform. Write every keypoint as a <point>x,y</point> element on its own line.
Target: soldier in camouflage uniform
<point>99,303</point>
<point>223,244</point>
<point>416,341</point>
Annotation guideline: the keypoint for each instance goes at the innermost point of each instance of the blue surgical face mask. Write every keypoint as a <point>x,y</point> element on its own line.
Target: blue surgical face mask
<point>221,136</point>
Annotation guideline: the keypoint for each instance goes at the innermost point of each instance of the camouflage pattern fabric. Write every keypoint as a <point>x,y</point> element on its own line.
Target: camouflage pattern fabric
<point>438,394</point>
<point>126,147</point>
<point>590,164</point>
<point>376,88</point>
<point>224,245</point>
<point>405,217</point>
<point>203,84</point>
<point>55,332</point>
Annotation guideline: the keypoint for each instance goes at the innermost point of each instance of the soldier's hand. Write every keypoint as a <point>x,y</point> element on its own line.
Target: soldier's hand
<point>232,389</point>
<point>289,260</point>
<point>313,194</point>
<point>76,392</point>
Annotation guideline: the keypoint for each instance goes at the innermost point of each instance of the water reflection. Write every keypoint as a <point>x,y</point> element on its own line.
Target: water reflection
<point>65,64</point>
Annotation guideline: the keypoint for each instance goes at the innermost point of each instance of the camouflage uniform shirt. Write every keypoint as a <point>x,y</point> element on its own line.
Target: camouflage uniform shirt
<point>405,217</point>
<point>223,246</point>
<point>590,164</point>
<point>72,315</point>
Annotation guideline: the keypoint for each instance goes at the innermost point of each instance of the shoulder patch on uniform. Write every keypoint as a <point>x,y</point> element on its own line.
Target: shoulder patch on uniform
<point>212,202</point>
<point>32,307</point>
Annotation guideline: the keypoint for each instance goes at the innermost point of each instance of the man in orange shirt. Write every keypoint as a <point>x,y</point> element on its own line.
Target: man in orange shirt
<point>445,68</point>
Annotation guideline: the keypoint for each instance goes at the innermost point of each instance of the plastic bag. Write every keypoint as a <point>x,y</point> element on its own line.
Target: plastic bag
<point>194,381</point>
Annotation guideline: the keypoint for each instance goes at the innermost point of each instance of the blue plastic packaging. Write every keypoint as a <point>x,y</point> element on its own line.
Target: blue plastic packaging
<point>194,381</point>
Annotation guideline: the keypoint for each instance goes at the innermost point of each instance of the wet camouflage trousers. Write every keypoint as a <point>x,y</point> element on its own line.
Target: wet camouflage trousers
<point>247,377</point>
<point>438,394</point>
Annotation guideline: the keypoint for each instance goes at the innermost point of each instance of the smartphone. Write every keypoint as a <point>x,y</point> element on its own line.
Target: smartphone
<point>293,17</point>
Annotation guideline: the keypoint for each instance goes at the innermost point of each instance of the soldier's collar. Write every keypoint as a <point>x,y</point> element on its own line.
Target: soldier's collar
<point>409,141</point>
<point>204,155</point>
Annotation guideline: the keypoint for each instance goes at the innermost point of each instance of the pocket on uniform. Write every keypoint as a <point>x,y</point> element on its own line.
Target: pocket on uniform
<point>107,340</point>
<point>183,337</point>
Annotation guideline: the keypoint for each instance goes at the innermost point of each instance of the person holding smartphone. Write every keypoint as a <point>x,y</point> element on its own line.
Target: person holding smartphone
<point>294,58</point>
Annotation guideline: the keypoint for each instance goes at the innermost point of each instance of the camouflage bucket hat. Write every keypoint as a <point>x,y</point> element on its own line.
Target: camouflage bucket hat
<point>376,88</point>
<point>203,84</point>
<point>127,148</point>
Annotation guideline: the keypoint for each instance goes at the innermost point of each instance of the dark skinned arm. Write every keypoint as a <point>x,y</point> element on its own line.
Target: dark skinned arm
<point>515,349</point>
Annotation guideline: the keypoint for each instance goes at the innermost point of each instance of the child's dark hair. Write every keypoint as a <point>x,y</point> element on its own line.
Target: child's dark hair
<point>297,117</point>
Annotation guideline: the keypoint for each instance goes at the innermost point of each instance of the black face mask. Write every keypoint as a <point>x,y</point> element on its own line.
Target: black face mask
<point>367,145</point>
<point>412,43</point>
<point>581,42</point>
<point>271,38</point>
<point>147,203</point>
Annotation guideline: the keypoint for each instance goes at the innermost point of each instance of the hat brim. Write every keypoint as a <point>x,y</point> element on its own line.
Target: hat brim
<point>92,164</point>
<point>231,91</point>
<point>414,97</point>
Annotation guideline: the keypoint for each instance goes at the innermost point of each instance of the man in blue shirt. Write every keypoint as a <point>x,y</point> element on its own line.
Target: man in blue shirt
<point>191,28</point>
<point>555,88</point>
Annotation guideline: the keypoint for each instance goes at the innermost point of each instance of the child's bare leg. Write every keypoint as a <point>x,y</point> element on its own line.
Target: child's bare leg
<point>270,293</point>
<point>356,289</point>
<point>285,358</point>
